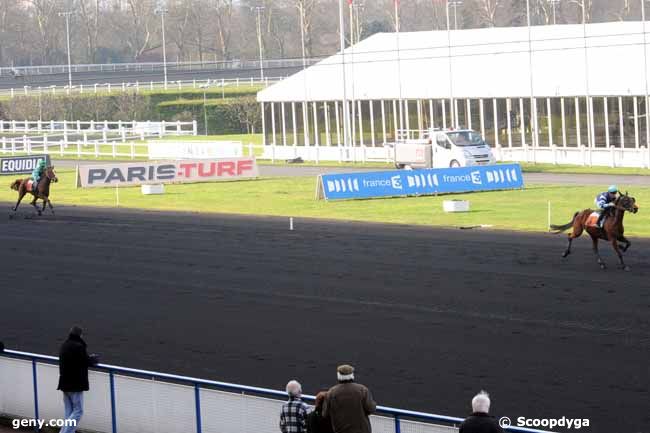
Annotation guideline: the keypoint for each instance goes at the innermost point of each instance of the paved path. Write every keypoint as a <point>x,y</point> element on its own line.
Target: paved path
<point>538,178</point>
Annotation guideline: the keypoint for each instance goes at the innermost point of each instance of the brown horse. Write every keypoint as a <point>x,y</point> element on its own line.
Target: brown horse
<point>612,229</point>
<point>42,192</point>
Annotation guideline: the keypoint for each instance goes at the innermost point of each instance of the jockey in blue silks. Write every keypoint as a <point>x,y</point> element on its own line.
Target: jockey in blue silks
<point>604,201</point>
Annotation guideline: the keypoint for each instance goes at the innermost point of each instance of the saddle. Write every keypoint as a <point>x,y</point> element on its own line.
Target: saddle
<point>30,186</point>
<point>592,220</point>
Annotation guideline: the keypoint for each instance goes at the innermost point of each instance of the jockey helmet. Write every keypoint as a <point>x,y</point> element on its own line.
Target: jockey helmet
<point>613,189</point>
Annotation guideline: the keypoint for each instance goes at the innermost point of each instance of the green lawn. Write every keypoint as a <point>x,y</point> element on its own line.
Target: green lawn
<point>519,210</point>
<point>579,169</point>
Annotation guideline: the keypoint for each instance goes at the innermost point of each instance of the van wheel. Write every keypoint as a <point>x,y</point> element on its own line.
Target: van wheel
<point>399,166</point>
<point>454,164</point>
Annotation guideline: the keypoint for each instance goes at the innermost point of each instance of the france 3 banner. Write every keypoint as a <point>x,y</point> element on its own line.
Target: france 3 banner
<point>419,182</point>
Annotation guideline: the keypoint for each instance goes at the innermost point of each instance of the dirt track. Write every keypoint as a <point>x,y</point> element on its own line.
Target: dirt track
<point>428,316</point>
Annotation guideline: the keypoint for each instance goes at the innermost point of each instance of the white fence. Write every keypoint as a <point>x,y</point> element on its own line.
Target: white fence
<point>152,403</point>
<point>137,86</point>
<point>92,126</point>
<point>172,149</point>
<point>582,155</point>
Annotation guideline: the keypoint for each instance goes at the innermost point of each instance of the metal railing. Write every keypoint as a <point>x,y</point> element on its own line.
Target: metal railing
<point>137,86</point>
<point>18,71</point>
<point>400,417</point>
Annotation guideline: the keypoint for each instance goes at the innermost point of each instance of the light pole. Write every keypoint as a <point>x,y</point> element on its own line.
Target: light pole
<point>346,114</point>
<point>67,32</point>
<point>533,111</point>
<point>452,107</point>
<point>455,3</point>
<point>302,33</point>
<point>259,10</point>
<point>162,10</point>
<point>205,110</point>
<point>645,76</point>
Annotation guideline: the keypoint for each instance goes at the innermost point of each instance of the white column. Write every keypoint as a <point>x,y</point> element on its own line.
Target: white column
<point>550,121</point>
<point>577,103</point>
<point>522,122</point>
<point>535,124</point>
<point>432,123</point>
<point>509,121</point>
<point>457,125</point>
<point>372,122</point>
<point>496,122</point>
<point>273,122</point>
<point>338,123</point>
<point>406,113</point>
<point>316,133</point>
<point>418,104</point>
<point>563,122</point>
<point>360,122</point>
<point>444,113</point>
<point>621,121</point>
<point>284,126</point>
<point>263,125</point>
<point>383,121</point>
<point>482,116</point>
<point>636,123</point>
<point>295,128</point>
<point>468,113</point>
<point>606,122</point>
<point>305,122</point>
<point>395,117</point>
<point>593,122</point>
<point>326,113</point>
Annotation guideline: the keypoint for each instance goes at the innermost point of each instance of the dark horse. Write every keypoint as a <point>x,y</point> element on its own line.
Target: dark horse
<point>42,192</point>
<point>612,228</point>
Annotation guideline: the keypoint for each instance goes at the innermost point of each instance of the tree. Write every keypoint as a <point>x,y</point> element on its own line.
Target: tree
<point>246,111</point>
<point>89,12</point>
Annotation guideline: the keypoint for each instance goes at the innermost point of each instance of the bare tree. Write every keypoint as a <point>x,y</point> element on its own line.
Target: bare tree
<point>89,12</point>
<point>487,11</point>
<point>225,12</point>
<point>43,12</point>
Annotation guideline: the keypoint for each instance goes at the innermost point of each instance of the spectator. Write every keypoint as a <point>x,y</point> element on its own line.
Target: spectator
<point>348,405</point>
<point>293,418</point>
<point>316,421</point>
<point>479,421</point>
<point>73,376</point>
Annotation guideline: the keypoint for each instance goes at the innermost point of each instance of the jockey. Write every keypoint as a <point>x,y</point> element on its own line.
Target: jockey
<point>37,173</point>
<point>604,201</point>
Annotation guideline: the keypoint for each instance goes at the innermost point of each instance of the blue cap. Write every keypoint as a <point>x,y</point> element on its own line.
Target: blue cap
<point>612,188</point>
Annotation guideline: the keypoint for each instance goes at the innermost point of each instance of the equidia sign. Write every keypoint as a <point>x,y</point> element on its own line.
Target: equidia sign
<point>131,174</point>
<point>21,164</point>
<point>419,182</point>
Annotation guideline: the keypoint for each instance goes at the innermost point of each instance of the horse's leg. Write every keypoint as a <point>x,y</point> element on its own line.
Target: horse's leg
<point>619,254</point>
<point>594,240</point>
<point>49,203</point>
<point>626,244</point>
<point>576,232</point>
<point>33,203</point>
<point>20,198</point>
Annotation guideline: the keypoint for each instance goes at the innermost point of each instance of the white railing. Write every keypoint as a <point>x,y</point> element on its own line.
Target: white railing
<point>78,148</point>
<point>65,127</point>
<point>18,71</point>
<point>138,86</point>
<point>361,154</point>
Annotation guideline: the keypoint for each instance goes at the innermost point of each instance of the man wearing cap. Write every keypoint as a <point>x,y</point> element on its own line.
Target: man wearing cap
<point>348,404</point>
<point>73,376</point>
<point>605,201</point>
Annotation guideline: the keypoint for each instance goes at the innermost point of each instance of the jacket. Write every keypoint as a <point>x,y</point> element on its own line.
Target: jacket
<point>348,406</point>
<point>73,365</point>
<point>603,199</point>
<point>480,422</point>
<point>317,423</point>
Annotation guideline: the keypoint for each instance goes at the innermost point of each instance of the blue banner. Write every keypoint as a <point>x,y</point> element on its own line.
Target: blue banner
<point>421,182</point>
<point>21,164</point>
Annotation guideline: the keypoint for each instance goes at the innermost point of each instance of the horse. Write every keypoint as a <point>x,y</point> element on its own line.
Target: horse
<point>612,229</point>
<point>42,192</point>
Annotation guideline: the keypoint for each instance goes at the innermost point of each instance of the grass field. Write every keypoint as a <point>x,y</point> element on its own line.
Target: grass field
<point>519,210</point>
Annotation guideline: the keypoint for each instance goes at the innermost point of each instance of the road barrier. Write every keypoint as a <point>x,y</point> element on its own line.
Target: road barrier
<point>127,400</point>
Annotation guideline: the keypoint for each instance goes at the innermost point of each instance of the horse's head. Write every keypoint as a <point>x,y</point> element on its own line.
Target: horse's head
<point>51,174</point>
<point>625,202</point>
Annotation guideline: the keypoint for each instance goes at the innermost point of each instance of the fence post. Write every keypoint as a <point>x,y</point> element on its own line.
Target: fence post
<point>105,124</point>
<point>178,127</point>
<point>13,145</point>
<point>85,139</point>
<point>13,126</point>
<point>45,143</point>
<point>111,378</point>
<point>35,383</point>
<point>61,147</point>
<point>109,87</point>
<point>27,145</point>
<point>194,128</point>
<point>150,85</point>
<point>4,144</point>
<point>12,93</point>
<point>39,125</point>
<point>78,126</point>
<point>52,125</point>
<point>81,88</point>
<point>163,128</point>
<point>95,86</point>
<point>92,125</point>
<point>78,149</point>
<point>197,402</point>
<point>2,125</point>
<point>398,427</point>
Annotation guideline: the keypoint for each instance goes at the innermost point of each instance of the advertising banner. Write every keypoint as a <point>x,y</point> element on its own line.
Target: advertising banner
<point>419,182</point>
<point>140,173</point>
<point>21,164</point>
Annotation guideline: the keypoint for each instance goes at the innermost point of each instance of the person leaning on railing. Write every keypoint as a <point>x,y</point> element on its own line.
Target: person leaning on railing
<point>293,417</point>
<point>349,405</point>
<point>479,421</point>
<point>73,376</point>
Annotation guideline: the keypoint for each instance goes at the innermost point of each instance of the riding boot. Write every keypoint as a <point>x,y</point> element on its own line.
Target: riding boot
<point>601,218</point>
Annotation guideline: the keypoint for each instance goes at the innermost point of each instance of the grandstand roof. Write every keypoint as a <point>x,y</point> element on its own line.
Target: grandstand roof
<point>485,63</point>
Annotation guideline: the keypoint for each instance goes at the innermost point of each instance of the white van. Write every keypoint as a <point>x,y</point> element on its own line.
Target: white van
<point>436,148</point>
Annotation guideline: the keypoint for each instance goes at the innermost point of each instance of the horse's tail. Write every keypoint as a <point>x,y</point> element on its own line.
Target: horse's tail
<point>560,229</point>
<point>16,184</point>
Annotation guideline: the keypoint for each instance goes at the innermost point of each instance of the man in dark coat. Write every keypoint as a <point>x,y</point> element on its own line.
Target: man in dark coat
<point>479,421</point>
<point>73,377</point>
<point>348,405</point>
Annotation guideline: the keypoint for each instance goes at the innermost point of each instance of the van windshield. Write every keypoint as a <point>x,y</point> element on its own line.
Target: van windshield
<point>466,138</point>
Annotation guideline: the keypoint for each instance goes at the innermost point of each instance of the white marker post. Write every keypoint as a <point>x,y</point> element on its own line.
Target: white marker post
<point>549,216</point>
<point>117,196</point>
<point>291,223</point>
